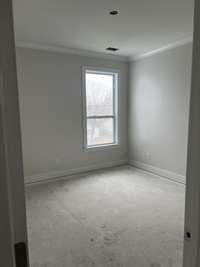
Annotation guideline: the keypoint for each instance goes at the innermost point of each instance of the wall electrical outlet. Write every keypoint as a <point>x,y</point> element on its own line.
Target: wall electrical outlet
<point>148,155</point>
<point>58,161</point>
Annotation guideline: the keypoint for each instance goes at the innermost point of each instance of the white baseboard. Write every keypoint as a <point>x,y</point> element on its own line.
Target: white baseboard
<point>158,171</point>
<point>52,176</point>
<point>66,174</point>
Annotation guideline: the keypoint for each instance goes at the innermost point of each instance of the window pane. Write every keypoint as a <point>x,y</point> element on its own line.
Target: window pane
<point>99,94</point>
<point>100,131</point>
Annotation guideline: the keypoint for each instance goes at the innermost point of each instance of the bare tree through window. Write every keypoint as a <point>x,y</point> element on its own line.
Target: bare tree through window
<point>100,107</point>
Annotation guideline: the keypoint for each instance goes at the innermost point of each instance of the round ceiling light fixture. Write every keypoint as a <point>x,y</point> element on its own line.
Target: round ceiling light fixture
<point>114,12</point>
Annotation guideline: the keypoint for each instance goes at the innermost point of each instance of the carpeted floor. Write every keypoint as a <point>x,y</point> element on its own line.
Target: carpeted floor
<point>118,217</point>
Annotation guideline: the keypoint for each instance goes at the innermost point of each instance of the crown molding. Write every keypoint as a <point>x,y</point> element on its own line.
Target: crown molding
<point>162,49</point>
<point>86,53</point>
<point>66,50</point>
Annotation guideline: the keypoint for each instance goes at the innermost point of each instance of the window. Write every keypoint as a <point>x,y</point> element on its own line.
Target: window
<point>100,107</point>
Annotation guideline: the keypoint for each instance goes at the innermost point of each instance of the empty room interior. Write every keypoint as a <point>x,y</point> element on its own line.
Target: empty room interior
<point>104,94</point>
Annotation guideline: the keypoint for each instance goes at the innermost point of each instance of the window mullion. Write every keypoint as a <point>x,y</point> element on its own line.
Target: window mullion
<point>101,117</point>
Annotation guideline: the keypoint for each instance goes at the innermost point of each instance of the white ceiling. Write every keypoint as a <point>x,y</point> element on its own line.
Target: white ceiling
<point>141,26</point>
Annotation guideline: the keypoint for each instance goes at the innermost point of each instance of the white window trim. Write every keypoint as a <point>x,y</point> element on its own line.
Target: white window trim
<point>116,144</point>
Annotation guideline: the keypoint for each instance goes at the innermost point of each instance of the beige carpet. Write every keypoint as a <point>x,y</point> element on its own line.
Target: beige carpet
<point>119,217</point>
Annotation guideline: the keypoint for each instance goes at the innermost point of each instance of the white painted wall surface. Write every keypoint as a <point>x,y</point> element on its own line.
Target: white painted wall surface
<point>51,113</point>
<point>159,111</point>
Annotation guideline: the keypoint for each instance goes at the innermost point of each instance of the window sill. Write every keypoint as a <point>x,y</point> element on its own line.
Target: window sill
<point>100,147</point>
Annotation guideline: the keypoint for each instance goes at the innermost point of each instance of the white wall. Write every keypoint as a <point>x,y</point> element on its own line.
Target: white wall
<point>51,113</point>
<point>159,111</point>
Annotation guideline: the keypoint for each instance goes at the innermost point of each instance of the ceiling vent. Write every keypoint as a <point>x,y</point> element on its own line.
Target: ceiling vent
<point>114,12</point>
<point>112,49</point>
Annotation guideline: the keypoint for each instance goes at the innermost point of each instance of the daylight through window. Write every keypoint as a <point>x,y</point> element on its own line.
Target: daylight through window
<point>100,102</point>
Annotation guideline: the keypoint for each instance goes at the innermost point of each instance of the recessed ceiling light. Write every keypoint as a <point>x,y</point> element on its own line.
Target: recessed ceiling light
<point>114,12</point>
<point>112,49</point>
